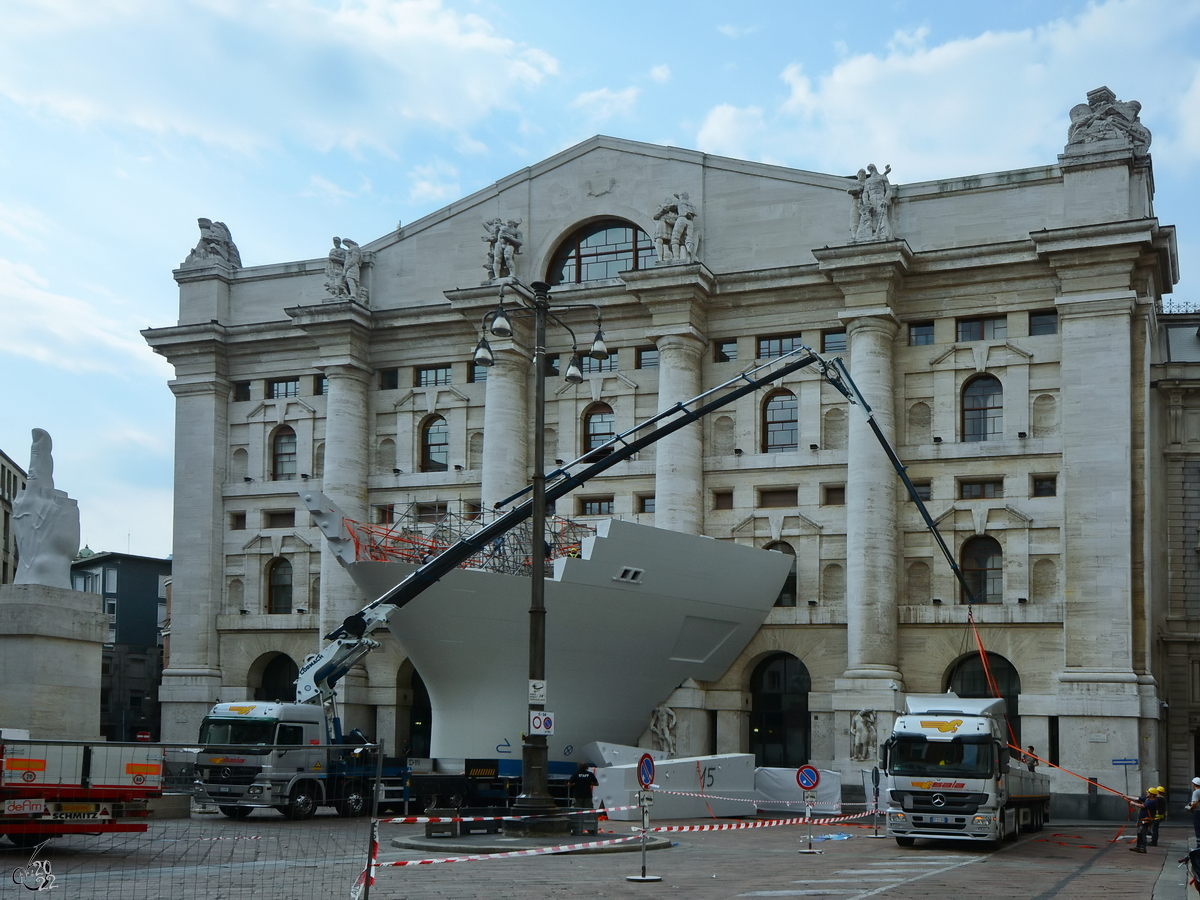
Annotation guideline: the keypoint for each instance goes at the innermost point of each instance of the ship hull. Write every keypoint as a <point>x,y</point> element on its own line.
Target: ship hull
<point>642,611</point>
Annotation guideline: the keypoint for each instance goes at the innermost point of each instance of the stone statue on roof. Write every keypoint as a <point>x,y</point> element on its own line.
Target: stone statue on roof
<point>215,246</point>
<point>45,521</point>
<point>1105,118</point>
<point>872,193</point>
<point>504,242</point>
<point>343,271</point>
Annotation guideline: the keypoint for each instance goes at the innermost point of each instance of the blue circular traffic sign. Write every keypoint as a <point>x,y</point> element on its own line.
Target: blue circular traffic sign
<point>645,770</point>
<point>808,777</point>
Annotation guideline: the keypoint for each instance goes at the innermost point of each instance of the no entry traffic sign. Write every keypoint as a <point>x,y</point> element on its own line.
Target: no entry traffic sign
<point>808,777</point>
<point>645,770</point>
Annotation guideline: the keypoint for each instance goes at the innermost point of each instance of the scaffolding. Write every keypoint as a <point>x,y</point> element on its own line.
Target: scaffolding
<point>421,530</point>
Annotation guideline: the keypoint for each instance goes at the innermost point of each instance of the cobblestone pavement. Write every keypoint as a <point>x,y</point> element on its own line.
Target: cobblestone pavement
<point>267,857</point>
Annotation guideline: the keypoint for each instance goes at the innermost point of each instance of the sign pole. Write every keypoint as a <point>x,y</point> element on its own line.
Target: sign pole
<point>808,778</point>
<point>645,774</point>
<point>875,811</point>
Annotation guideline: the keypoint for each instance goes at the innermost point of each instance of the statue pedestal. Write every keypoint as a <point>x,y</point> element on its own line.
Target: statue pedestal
<point>50,649</point>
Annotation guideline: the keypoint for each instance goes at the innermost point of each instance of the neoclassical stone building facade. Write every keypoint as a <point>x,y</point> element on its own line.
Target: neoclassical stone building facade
<point>1005,328</point>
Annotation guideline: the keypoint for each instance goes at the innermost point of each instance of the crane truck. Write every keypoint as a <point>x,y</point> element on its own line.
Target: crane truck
<point>950,775</point>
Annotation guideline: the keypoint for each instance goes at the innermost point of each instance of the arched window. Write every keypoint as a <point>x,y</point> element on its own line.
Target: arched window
<point>279,586</point>
<point>278,681</point>
<point>983,568</point>
<point>599,426</point>
<point>283,455</point>
<point>435,445</point>
<point>983,410</point>
<point>787,594</point>
<point>779,725</point>
<point>601,250</point>
<point>967,679</point>
<point>780,432</point>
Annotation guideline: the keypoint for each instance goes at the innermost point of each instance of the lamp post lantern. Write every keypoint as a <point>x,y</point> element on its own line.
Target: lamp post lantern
<point>535,799</point>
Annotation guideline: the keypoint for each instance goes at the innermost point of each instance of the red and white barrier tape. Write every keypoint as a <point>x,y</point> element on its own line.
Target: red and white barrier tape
<point>437,820</point>
<point>734,826</point>
<point>754,800</point>
<point>512,854</point>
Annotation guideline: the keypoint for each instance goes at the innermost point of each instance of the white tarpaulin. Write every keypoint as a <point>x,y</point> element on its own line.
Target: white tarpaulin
<point>780,784</point>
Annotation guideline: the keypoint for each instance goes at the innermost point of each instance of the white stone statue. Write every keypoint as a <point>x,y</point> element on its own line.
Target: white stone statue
<point>504,242</point>
<point>667,213</point>
<point>683,235</point>
<point>1105,118</point>
<point>335,270</point>
<point>872,195</point>
<point>216,243</point>
<point>343,271</point>
<point>862,735</point>
<point>45,521</point>
<point>662,723</point>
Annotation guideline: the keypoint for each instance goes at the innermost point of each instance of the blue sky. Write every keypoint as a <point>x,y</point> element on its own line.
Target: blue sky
<point>293,120</point>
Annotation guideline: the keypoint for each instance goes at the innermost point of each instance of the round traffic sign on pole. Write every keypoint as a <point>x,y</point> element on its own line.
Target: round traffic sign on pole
<point>645,770</point>
<point>808,777</point>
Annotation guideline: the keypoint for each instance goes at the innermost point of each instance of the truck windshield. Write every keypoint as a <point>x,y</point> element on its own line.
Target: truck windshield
<point>226,731</point>
<point>918,756</point>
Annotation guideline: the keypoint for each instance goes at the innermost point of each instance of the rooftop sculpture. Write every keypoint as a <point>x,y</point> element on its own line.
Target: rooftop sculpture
<point>215,245</point>
<point>1105,118</point>
<point>45,521</point>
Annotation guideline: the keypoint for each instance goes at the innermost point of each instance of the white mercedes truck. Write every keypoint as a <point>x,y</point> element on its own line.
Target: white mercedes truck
<point>950,775</point>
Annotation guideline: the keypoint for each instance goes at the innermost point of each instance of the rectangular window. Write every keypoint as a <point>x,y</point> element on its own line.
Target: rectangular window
<point>920,334</point>
<point>647,358</point>
<point>924,490</point>
<point>281,518</point>
<point>110,607</point>
<point>646,504</point>
<point>777,497</point>
<point>771,347</point>
<point>833,341</point>
<point>725,351</point>
<point>1045,485</point>
<point>1043,322</point>
<point>989,328</point>
<point>385,514</point>
<point>596,506</point>
<point>389,379</point>
<point>431,376</point>
<point>989,489</point>
<point>278,388</point>
<point>135,700</point>
<point>833,495</point>
<point>590,365</point>
<point>320,385</point>
<point>550,366</point>
<point>432,511</point>
<point>723,500</point>
<point>477,374</point>
<point>241,391</point>
<point>237,521</point>
<point>110,581</point>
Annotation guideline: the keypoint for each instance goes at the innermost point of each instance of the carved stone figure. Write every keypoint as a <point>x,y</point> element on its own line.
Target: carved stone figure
<point>45,521</point>
<point>665,217</point>
<point>352,275</point>
<point>216,243</point>
<point>343,271</point>
<point>683,235</point>
<point>662,723</point>
<point>504,242</point>
<point>335,270</point>
<point>872,195</point>
<point>1105,118</point>
<point>862,734</point>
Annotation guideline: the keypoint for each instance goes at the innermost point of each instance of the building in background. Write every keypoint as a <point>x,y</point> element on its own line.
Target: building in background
<point>1003,325</point>
<point>133,593</point>
<point>12,480</point>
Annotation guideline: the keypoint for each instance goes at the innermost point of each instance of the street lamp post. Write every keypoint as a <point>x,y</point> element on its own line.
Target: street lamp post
<point>535,799</point>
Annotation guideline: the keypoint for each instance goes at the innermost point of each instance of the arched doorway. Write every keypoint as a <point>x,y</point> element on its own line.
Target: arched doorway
<point>278,680</point>
<point>779,723</point>
<point>967,679</point>
<point>420,718</point>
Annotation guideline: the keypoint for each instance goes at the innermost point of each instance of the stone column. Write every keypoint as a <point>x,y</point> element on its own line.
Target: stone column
<point>345,482</point>
<point>678,468</point>
<point>871,524</point>
<point>506,423</point>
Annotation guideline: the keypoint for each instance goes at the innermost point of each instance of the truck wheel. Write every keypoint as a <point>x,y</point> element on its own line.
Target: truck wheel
<point>235,812</point>
<point>355,801</point>
<point>905,841</point>
<point>302,802</point>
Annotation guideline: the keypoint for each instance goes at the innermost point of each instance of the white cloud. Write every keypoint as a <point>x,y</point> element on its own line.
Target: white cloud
<point>361,73</point>
<point>979,104</point>
<point>733,32</point>
<point>435,182</point>
<point>661,74</point>
<point>605,103</point>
